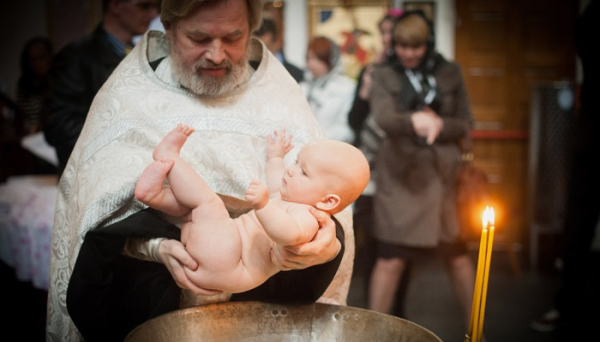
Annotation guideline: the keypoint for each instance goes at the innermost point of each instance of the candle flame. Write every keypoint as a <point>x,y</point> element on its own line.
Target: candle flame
<point>488,217</point>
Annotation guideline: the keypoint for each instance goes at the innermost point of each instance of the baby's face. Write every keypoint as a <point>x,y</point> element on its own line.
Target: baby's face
<point>307,180</point>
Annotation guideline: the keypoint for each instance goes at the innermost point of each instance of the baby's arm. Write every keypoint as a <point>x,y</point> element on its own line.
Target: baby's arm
<point>285,228</point>
<point>277,147</point>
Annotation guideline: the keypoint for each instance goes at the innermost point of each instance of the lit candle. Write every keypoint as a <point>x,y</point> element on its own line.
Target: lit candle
<point>486,275</point>
<point>481,277</point>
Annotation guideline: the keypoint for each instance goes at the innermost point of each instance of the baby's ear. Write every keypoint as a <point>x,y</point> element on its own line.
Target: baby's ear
<point>329,202</point>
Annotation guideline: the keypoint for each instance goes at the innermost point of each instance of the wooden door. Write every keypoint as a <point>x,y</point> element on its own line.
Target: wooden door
<point>504,48</point>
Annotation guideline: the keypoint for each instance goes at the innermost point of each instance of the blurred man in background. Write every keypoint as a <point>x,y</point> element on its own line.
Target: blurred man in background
<point>82,67</point>
<point>267,33</point>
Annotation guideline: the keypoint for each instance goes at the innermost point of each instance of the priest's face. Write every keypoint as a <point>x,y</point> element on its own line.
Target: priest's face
<point>210,47</point>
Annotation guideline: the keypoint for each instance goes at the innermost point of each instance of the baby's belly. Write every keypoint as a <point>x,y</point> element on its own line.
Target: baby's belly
<point>256,244</point>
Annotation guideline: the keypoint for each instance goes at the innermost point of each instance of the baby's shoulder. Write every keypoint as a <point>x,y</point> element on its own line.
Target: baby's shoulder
<point>298,210</point>
<point>291,206</point>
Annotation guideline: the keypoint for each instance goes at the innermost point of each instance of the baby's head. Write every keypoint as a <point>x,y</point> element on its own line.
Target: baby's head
<point>328,174</point>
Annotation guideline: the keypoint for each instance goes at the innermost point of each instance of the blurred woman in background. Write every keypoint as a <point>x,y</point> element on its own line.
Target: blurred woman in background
<point>33,89</point>
<point>328,90</point>
<point>33,84</point>
<point>420,102</point>
<point>367,138</point>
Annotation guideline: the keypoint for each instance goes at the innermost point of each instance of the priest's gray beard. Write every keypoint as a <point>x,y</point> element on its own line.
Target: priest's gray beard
<point>190,78</point>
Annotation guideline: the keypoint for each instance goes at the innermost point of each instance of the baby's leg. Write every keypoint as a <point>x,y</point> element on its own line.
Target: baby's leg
<point>172,143</point>
<point>212,238</point>
<point>150,190</point>
<point>230,257</point>
<point>187,185</point>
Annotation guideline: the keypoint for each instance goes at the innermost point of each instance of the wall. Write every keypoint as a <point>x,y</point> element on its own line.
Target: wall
<point>19,21</point>
<point>295,18</point>
<point>63,21</point>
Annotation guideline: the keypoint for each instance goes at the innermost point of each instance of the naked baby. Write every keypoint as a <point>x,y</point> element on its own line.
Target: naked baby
<point>234,253</point>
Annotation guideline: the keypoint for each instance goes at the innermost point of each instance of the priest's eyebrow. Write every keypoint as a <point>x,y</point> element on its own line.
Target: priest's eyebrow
<point>196,34</point>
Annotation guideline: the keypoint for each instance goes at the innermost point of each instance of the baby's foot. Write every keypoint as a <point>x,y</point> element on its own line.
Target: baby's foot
<point>151,180</point>
<point>172,143</point>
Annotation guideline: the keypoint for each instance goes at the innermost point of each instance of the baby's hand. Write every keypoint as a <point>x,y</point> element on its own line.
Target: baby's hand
<point>279,145</point>
<point>257,194</point>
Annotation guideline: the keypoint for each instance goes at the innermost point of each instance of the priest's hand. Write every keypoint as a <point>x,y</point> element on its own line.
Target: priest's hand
<point>173,255</point>
<point>323,247</point>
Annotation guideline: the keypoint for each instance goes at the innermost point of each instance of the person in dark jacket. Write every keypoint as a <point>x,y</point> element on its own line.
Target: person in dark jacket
<point>82,67</point>
<point>267,33</point>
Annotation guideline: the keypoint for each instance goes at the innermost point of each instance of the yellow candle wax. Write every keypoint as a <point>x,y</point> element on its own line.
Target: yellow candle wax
<point>486,275</point>
<point>473,323</point>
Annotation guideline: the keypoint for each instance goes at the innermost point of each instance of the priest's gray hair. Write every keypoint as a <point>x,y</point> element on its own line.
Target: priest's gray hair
<point>172,10</point>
